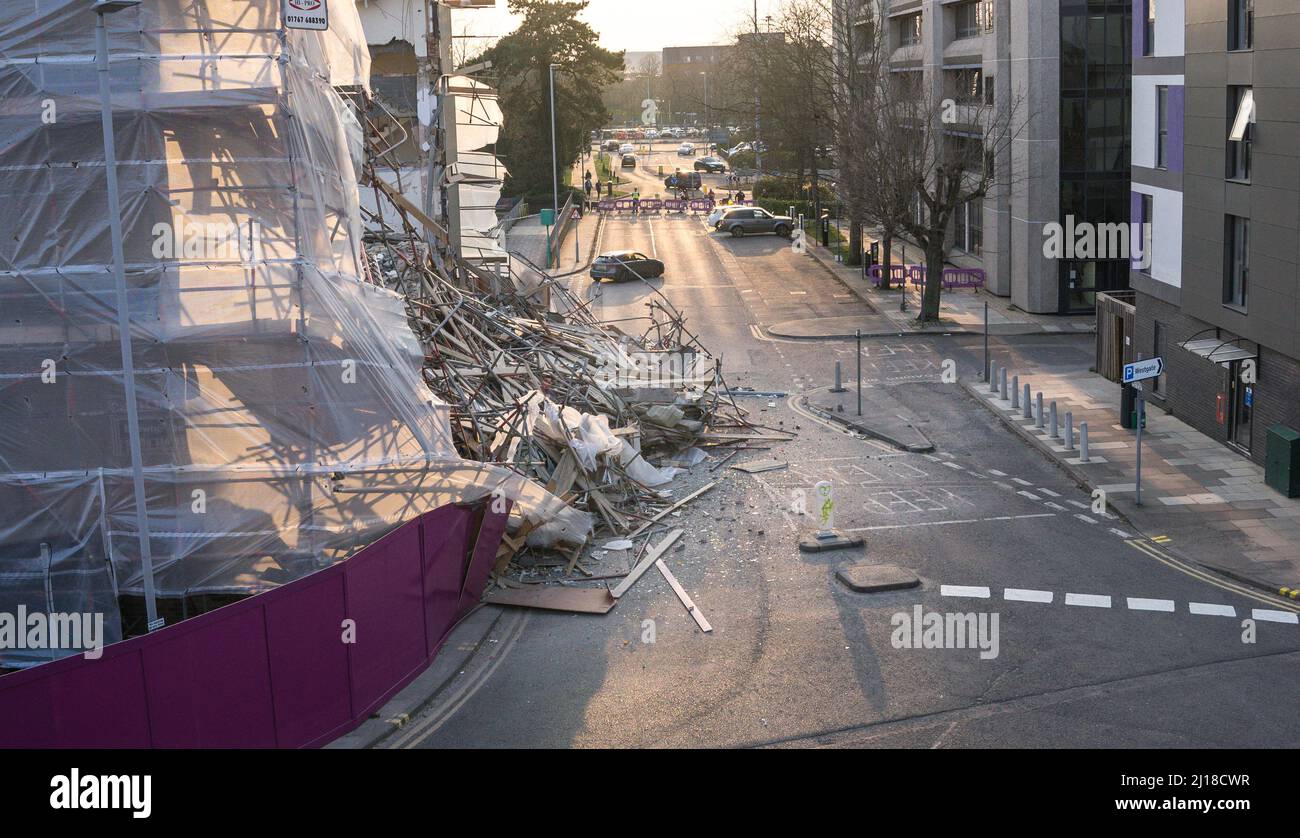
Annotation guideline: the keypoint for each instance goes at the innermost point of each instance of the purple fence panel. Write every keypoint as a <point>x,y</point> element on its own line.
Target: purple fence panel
<point>212,688</point>
<point>917,274</point>
<point>309,661</point>
<point>271,670</point>
<point>386,603</point>
<point>446,542</point>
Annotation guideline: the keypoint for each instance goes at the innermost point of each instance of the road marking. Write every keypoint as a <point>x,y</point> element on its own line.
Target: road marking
<point>997,473</point>
<point>1088,600</point>
<point>1120,533</point>
<point>1026,595</point>
<point>1080,504</point>
<point>1048,492</point>
<point>798,293</point>
<point>1085,518</point>
<point>1056,506</point>
<point>1140,604</point>
<point>965,591</point>
<point>954,466</point>
<point>1161,539</point>
<point>1170,561</point>
<point>1021,482</point>
<point>1029,495</point>
<point>654,250</point>
<point>1275,616</point>
<point>944,523</point>
<point>1209,609</point>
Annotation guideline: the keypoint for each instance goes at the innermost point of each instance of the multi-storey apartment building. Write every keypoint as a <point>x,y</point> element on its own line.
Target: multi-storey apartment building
<point>1064,65</point>
<point>1216,172</point>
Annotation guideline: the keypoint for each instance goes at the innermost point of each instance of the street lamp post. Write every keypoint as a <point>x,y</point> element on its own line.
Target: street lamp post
<point>555,164</point>
<point>102,8</point>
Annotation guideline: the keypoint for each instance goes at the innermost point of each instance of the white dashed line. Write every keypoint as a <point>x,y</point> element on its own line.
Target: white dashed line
<point>1085,518</point>
<point>1080,504</point>
<point>1275,616</point>
<point>955,466</point>
<point>1140,604</point>
<point>1048,492</point>
<point>1026,595</point>
<point>1088,600</point>
<point>1029,495</point>
<point>997,473</point>
<point>1120,533</point>
<point>1209,609</point>
<point>964,591</point>
<point>1056,506</point>
<point>1021,482</point>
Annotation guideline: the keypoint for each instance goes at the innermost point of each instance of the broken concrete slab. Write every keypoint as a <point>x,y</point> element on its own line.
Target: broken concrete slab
<point>760,466</point>
<point>886,423</point>
<point>821,542</point>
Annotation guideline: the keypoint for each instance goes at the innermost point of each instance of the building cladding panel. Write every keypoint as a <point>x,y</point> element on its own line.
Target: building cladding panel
<point>1269,202</point>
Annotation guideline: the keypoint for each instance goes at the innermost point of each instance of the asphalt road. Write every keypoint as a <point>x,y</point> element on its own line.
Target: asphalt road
<point>795,658</point>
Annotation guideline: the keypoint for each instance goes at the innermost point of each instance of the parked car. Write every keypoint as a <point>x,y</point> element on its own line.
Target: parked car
<point>651,134</point>
<point>745,221</point>
<point>686,150</point>
<point>683,180</point>
<point>626,148</point>
<point>625,264</point>
<point>628,161</point>
<point>609,145</point>
<point>710,164</point>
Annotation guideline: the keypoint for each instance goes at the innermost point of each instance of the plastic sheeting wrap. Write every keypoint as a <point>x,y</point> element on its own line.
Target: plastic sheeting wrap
<point>283,419</point>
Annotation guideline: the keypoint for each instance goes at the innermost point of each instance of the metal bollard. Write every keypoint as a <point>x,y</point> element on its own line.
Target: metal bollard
<point>993,376</point>
<point>1028,406</point>
<point>1083,442</point>
<point>1003,388</point>
<point>1069,430</point>
<point>1038,406</point>
<point>1015,393</point>
<point>1056,428</point>
<point>839,381</point>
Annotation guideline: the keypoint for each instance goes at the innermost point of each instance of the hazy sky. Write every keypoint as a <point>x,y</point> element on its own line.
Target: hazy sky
<point>638,25</point>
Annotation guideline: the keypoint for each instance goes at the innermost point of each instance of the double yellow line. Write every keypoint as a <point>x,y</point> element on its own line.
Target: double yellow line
<point>1164,558</point>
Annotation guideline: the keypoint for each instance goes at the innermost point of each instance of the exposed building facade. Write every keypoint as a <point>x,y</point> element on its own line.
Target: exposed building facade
<point>1064,66</point>
<point>1216,172</point>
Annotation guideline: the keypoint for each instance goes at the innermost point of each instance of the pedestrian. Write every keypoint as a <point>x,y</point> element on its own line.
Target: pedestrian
<point>636,201</point>
<point>740,197</point>
<point>711,198</point>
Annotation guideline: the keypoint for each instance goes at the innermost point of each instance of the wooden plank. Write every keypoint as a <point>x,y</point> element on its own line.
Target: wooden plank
<point>581,600</point>
<point>692,496</point>
<point>644,565</point>
<point>683,596</point>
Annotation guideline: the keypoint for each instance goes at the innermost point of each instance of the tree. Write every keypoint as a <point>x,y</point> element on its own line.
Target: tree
<point>931,147</point>
<point>550,33</point>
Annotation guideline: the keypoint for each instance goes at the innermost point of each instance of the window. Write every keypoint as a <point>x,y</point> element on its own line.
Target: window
<point>1162,127</point>
<point>1241,111</point>
<point>1241,24</point>
<point>974,18</point>
<point>1237,252</point>
<point>968,227</point>
<point>1149,29</point>
<point>1142,254</point>
<point>988,90</point>
<point>967,85</point>
<point>909,30</point>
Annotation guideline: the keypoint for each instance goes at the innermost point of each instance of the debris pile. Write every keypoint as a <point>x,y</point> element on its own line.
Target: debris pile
<point>603,418</point>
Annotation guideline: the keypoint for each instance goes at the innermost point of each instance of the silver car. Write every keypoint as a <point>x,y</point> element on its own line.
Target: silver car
<point>745,221</point>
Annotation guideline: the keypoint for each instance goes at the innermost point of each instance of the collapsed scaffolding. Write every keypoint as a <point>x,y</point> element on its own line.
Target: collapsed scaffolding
<point>299,392</point>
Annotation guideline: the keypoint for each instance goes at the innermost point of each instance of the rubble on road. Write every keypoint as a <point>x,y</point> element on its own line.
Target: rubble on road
<point>604,418</point>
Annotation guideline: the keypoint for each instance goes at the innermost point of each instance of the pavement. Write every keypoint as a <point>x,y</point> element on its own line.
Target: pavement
<point>961,311</point>
<point>1200,499</point>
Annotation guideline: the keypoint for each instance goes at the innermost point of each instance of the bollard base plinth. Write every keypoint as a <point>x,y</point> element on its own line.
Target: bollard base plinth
<point>821,542</point>
<point>877,578</point>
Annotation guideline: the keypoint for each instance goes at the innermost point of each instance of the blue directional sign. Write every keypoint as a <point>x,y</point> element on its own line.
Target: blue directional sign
<point>1142,370</point>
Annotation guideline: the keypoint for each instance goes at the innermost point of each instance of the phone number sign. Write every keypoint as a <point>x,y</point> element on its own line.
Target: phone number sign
<point>306,14</point>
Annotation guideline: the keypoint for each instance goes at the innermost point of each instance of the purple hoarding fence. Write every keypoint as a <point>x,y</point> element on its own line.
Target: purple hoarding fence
<point>271,671</point>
